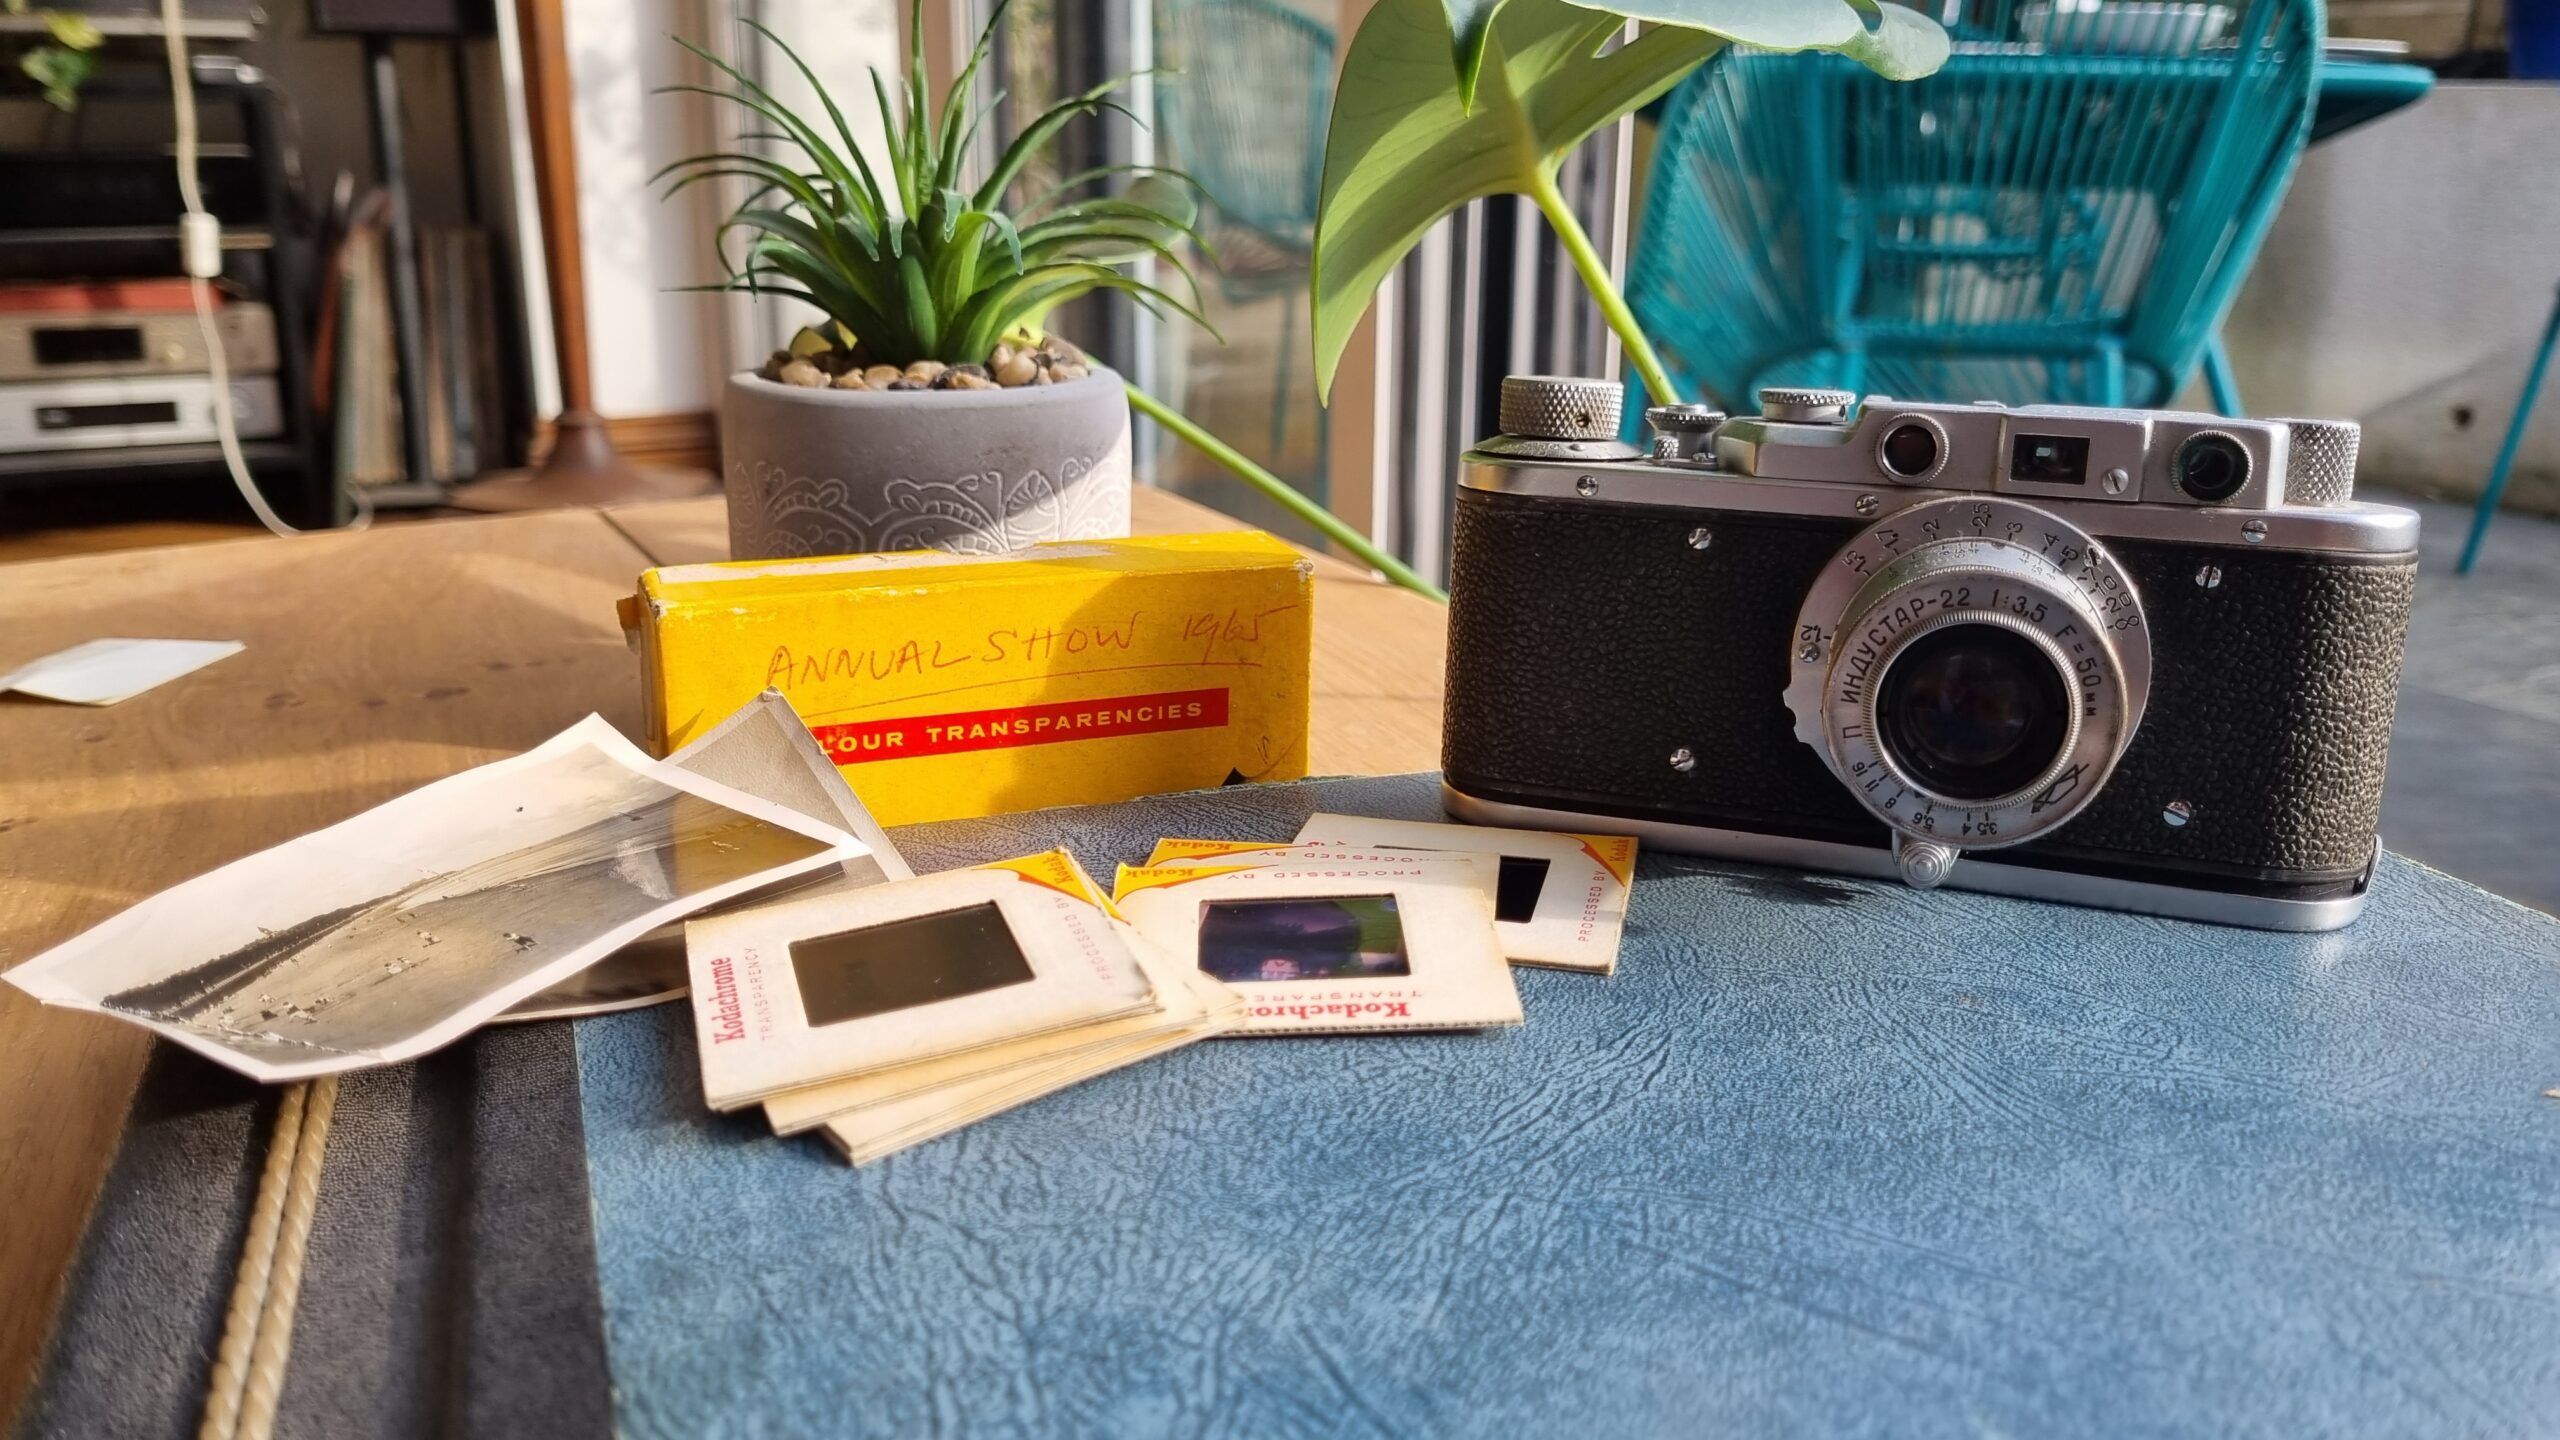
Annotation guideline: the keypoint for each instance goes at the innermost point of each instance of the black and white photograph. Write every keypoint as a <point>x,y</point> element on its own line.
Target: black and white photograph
<point>765,750</point>
<point>391,933</point>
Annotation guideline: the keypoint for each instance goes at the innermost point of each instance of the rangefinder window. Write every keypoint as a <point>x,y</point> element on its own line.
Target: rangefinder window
<point>2050,459</point>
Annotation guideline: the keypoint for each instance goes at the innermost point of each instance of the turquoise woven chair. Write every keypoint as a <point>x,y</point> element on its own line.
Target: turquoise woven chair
<point>2060,215</point>
<point>1245,116</point>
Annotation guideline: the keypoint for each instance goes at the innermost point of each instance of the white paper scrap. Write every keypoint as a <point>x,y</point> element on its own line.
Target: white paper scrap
<point>102,672</point>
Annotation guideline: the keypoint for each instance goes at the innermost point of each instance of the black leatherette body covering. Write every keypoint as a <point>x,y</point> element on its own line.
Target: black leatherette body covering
<point>1590,641</point>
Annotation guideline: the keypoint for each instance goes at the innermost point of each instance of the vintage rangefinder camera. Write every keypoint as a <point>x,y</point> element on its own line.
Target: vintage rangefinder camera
<point>2126,658</point>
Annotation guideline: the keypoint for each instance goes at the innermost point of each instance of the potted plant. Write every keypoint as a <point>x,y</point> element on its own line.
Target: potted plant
<point>1440,102</point>
<point>931,410</point>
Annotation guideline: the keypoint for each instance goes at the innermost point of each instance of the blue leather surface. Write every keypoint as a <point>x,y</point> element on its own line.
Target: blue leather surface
<point>1826,1157</point>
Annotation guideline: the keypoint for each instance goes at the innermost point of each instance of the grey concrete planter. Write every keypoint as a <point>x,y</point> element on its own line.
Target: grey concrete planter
<point>838,472</point>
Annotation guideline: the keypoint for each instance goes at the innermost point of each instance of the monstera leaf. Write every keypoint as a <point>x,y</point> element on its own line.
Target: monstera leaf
<point>1445,101</point>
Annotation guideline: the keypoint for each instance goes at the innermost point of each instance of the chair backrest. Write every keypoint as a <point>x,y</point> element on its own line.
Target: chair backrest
<point>2060,214</point>
<point>1246,114</point>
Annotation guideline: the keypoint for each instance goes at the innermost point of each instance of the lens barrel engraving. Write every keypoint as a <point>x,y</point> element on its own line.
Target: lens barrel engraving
<point>2003,613</point>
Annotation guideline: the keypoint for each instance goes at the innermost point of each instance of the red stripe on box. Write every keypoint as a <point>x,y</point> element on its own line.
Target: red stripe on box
<point>1019,725</point>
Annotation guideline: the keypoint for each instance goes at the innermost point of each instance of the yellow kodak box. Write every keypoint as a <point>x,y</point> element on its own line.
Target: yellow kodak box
<point>944,685</point>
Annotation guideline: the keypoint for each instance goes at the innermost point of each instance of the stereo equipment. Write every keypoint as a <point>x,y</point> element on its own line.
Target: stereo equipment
<point>66,190</point>
<point>137,410</point>
<point>134,342</point>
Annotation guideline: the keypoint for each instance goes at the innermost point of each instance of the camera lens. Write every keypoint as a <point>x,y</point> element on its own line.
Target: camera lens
<point>1910,451</point>
<point>2211,467</point>
<point>1973,712</point>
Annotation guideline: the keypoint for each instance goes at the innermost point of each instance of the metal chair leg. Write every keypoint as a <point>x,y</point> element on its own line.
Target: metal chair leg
<point>2219,380</point>
<point>2488,507</point>
<point>2104,371</point>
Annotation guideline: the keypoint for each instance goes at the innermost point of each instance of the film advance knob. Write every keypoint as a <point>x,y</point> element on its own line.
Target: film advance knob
<point>1559,407</point>
<point>1801,406</point>
<point>2320,461</point>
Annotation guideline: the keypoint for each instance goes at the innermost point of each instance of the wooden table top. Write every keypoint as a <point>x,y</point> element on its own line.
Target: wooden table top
<point>375,663</point>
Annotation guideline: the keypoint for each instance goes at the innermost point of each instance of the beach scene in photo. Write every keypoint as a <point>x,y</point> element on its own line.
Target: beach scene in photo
<point>390,933</point>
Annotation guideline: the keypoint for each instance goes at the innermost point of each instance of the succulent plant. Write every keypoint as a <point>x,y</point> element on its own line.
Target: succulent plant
<point>909,265</point>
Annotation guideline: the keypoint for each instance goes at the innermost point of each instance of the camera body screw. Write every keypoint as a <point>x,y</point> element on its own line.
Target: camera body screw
<point>2210,577</point>
<point>1701,538</point>
<point>2254,532</point>
<point>2115,481</point>
<point>1868,504</point>
<point>1586,486</point>
<point>1684,760</point>
<point>2178,813</point>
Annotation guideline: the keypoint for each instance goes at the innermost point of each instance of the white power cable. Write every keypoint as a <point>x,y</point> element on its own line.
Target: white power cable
<point>200,248</point>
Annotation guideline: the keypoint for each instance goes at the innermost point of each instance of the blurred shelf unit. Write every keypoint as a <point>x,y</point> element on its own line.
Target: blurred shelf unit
<point>93,207</point>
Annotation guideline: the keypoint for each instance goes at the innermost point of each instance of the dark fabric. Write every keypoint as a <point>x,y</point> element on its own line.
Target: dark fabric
<point>450,1281</point>
<point>134,1339</point>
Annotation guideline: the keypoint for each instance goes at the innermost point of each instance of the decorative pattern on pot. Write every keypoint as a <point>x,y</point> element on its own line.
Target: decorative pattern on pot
<point>774,515</point>
<point>828,472</point>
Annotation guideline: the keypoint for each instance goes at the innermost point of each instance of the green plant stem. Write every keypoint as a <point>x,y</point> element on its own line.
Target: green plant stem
<point>1288,497</point>
<point>1604,290</point>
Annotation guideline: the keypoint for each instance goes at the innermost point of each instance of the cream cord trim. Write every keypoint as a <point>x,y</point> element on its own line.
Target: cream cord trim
<point>257,1332</point>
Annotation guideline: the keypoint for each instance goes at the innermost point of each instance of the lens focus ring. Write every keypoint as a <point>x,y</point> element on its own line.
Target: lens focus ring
<point>1971,670</point>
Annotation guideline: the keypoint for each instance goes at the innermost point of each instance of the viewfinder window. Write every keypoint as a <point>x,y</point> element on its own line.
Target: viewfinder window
<point>901,964</point>
<point>2049,459</point>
